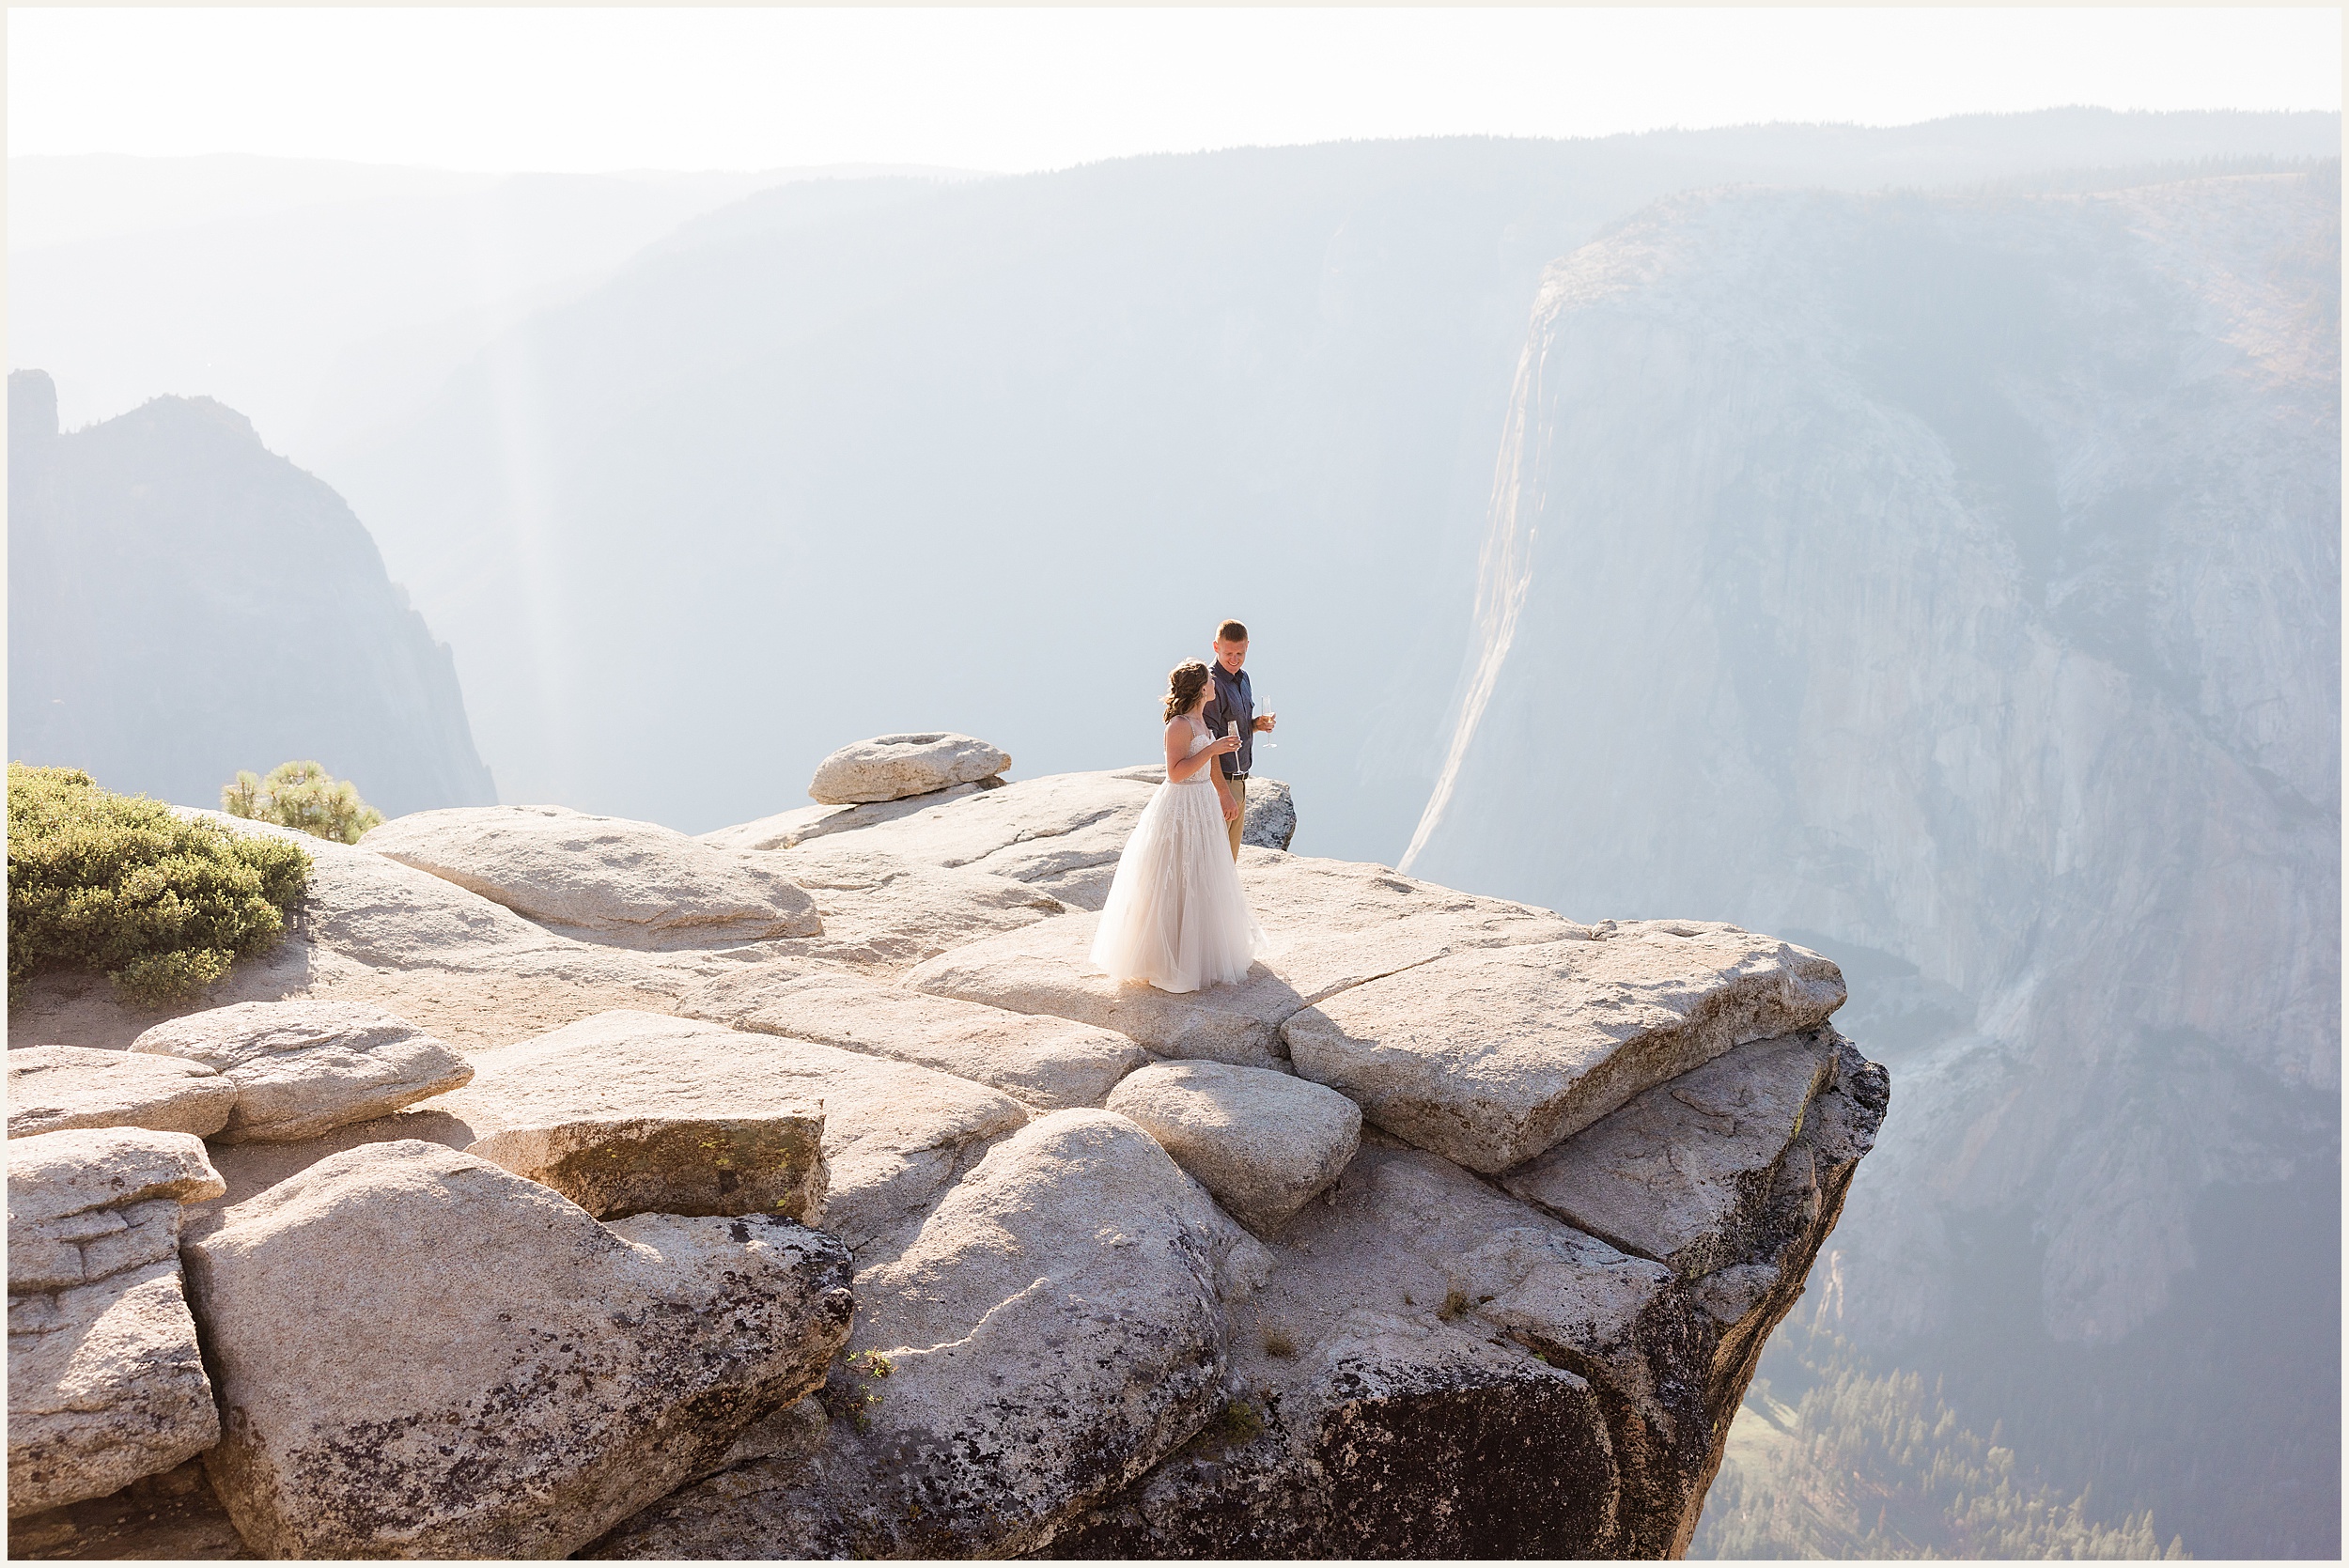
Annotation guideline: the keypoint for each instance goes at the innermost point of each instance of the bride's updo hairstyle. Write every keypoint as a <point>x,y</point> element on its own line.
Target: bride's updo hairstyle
<point>1183,685</point>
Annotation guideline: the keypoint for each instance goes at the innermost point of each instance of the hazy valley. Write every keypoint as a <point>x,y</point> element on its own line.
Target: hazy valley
<point>1922,543</point>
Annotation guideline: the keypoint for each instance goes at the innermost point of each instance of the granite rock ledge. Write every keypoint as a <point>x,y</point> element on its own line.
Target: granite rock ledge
<point>1025,1267</point>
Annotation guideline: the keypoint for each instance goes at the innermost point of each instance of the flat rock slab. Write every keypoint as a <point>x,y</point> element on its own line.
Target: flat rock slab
<point>601,877</point>
<point>52,1088</point>
<point>1325,910</point>
<point>1683,1173</point>
<point>1047,970</point>
<point>788,830</point>
<point>1062,832</point>
<point>894,1134</point>
<point>1053,1327</point>
<point>887,913</point>
<point>892,766</point>
<point>1044,1062</point>
<point>303,1067</point>
<point>1489,1057</point>
<point>687,1165</point>
<point>1263,1143</point>
<point>420,1354</point>
<point>1334,925</point>
<point>105,1381</point>
<point>373,909</point>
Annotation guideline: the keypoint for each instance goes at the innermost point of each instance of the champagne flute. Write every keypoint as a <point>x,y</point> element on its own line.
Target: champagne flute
<point>1265,709</point>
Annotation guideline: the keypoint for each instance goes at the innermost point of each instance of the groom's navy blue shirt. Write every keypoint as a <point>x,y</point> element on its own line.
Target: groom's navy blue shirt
<point>1233,699</point>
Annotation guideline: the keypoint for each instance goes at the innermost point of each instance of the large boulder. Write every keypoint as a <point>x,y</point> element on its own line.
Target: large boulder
<point>1263,1143</point>
<point>105,1382</point>
<point>1489,1057</point>
<point>1270,820</point>
<point>894,1134</point>
<point>601,877</point>
<point>1050,1063</point>
<point>303,1067</point>
<point>1684,1172</point>
<point>893,766</point>
<point>52,1088</point>
<point>422,1355</point>
<point>1052,1329</point>
<point>1334,925</point>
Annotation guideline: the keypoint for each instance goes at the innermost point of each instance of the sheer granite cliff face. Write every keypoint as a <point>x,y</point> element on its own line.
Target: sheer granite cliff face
<point>1957,579</point>
<point>1061,1344</point>
<point>183,603</point>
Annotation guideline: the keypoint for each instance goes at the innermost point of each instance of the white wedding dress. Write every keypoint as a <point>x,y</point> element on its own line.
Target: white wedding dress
<point>1175,915</point>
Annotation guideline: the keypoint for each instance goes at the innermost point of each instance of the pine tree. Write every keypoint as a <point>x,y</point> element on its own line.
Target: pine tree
<point>302,795</point>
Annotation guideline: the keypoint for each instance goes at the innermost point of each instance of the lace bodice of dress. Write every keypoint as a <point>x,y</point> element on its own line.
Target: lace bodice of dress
<point>1200,738</point>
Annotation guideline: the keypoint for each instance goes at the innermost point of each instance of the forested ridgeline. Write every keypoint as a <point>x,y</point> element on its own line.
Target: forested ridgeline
<point>1831,1458</point>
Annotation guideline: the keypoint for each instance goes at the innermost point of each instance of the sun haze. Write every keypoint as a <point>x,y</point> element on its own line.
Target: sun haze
<point>1026,90</point>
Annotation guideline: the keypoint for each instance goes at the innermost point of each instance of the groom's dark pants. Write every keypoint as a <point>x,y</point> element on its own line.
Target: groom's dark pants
<point>1239,792</point>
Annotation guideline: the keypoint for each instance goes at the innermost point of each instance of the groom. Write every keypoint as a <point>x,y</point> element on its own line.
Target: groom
<point>1234,703</point>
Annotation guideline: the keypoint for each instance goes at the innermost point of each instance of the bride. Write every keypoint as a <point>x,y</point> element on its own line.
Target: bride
<point>1175,915</point>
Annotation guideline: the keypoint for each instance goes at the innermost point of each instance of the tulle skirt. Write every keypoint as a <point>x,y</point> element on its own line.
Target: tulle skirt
<point>1175,915</point>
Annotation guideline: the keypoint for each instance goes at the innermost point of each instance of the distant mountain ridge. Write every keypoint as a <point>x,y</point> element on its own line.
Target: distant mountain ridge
<point>183,603</point>
<point>316,298</point>
<point>66,198</point>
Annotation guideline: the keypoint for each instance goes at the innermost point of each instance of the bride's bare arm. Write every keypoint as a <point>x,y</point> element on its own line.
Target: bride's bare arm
<point>1178,766</point>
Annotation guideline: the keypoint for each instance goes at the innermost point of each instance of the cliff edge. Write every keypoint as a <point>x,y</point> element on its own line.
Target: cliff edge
<point>680,1199</point>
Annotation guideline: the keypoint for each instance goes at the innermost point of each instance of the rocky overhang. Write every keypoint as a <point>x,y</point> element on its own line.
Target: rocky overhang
<point>1551,1186</point>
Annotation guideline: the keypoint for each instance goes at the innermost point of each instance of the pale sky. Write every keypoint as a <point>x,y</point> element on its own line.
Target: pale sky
<point>598,89</point>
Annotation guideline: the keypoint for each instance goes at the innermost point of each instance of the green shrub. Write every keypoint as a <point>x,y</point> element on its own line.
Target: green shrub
<point>302,795</point>
<point>121,884</point>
